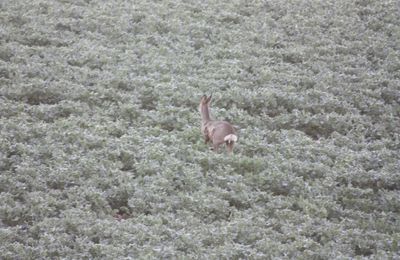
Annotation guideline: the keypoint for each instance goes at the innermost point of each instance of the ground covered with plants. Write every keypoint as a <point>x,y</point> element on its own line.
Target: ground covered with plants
<point>101,154</point>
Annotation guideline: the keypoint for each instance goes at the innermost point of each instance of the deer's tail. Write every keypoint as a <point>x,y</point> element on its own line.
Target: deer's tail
<point>230,140</point>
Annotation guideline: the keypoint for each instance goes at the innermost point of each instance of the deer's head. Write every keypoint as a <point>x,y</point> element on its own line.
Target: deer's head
<point>204,103</point>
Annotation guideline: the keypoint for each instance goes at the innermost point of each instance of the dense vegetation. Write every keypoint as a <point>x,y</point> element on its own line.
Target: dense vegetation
<point>101,154</point>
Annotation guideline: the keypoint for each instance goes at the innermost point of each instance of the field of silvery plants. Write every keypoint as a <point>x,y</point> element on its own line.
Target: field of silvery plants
<point>101,153</point>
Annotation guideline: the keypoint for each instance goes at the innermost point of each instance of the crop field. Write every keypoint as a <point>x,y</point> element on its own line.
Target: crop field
<point>101,153</point>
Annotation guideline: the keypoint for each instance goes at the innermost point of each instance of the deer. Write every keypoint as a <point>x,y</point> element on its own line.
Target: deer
<point>216,132</point>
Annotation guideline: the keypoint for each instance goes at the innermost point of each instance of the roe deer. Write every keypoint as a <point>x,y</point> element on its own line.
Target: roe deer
<point>218,132</point>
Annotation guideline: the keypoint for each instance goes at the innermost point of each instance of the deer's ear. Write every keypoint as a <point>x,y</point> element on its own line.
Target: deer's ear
<point>203,99</point>
<point>208,99</point>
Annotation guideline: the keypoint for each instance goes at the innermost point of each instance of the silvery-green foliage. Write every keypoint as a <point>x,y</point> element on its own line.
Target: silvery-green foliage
<point>101,155</point>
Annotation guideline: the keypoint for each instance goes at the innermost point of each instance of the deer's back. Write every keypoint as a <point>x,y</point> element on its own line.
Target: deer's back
<point>218,130</point>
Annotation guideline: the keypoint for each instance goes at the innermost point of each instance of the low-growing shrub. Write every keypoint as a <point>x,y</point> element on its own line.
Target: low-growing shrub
<point>101,152</point>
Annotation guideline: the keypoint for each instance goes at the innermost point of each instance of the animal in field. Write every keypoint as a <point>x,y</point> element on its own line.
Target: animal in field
<point>214,131</point>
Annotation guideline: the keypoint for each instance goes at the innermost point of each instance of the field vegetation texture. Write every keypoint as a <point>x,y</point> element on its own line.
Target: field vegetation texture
<point>101,155</point>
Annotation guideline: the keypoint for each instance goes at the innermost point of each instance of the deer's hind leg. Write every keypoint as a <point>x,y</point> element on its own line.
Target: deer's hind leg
<point>229,147</point>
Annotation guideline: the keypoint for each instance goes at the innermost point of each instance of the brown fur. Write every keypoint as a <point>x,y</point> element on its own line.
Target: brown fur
<point>216,132</point>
